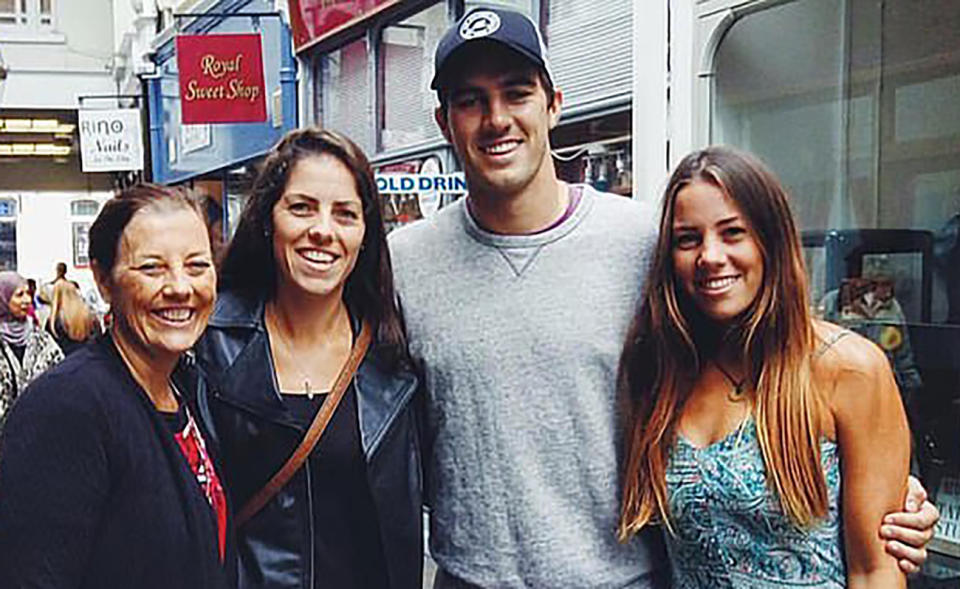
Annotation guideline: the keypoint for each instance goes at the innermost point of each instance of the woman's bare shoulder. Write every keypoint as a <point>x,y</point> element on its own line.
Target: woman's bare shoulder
<point>837,350</point>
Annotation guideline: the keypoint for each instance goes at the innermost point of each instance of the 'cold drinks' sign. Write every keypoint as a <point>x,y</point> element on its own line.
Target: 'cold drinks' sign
<point>110,140</point>
<point>221,79</point>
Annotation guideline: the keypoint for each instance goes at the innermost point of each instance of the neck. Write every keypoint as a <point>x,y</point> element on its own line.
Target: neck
<point>307,318</point>
<point>150,371</point>
<point>536,206</point>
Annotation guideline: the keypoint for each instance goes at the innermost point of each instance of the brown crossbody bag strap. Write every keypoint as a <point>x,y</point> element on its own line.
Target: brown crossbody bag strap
<point>310,439</point>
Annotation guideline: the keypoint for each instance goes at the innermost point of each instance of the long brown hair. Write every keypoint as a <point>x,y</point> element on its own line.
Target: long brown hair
<point>670,339</point>
<point>69,312</point>
<point>249,268</point>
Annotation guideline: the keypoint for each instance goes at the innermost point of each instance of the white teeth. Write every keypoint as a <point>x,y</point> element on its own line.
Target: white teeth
<point>318,256</point>
<point>175,314</point>
<point>501,147</point>
<point>718,283</point>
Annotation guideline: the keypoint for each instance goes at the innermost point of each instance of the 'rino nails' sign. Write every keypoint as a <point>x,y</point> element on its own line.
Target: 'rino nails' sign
<point>221,79</point>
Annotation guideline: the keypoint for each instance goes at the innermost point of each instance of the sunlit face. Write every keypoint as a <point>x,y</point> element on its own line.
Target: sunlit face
<point>498,119</point>
<point>19,304</point>
<point>318,227</point>
<point>716,258</point>
<point>163,284</point>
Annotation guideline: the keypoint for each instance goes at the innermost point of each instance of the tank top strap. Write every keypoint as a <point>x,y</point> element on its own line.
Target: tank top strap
<point>830,341</point>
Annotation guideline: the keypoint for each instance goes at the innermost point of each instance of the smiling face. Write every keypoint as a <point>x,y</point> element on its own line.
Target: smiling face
<point>163,284</point>
<point>318,227</point>
<point>498,118</point>
<point>19,304</point>
<point>716,258</point>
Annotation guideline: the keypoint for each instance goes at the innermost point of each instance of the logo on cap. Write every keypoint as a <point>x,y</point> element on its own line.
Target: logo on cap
<point>481,23</point>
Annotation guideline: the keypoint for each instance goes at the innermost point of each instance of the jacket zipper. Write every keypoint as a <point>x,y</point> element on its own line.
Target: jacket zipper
<point>306,465</point>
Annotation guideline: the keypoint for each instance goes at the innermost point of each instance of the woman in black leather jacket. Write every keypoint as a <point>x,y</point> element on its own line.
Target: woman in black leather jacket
<point>307,265</point>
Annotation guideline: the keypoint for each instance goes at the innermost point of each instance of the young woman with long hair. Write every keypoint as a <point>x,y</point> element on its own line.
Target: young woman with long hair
<point>748,414</point>
<point>71,321</point>
<point>307,267</point>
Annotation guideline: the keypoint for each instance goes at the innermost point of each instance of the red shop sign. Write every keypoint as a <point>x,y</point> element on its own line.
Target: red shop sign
<point>221,79</point>
<point>315,19</point>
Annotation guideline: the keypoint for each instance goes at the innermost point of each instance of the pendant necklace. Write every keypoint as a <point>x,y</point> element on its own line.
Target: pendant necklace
<point>307,389</point>
<point>735,394</point>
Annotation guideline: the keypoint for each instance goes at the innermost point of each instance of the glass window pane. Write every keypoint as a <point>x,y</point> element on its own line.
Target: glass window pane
<point>856,106</point>
<point>406,51</point>
<point>8,246</point>
<point>46,6</point>
<point>84,207</point>
<point>763,96</point>
<point>8,5</point>
<point>345,93</point>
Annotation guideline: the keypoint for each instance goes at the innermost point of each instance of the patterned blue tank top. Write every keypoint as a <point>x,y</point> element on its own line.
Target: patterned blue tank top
<point>730,529</point>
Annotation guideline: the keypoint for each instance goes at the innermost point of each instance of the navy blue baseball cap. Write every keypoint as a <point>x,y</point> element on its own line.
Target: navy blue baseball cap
<point>510,28</point>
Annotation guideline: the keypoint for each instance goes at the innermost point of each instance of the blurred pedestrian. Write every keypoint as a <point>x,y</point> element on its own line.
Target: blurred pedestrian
<point>71,321</point>
<point>27,349</point>
<point>106,475</point>
<point>750,415</point>
<point>306,279</point>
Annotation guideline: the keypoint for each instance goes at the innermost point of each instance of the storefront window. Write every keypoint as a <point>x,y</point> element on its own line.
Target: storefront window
<point>344,93</point>
<point>406,54</point>
<point>590,50</point>
<point>8,234</point>
<point>528,7</point>
<point>856,106</point>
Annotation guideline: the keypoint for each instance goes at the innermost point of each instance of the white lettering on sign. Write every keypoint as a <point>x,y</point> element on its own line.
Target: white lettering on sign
<point>948,502</point>
<point>454,183</point>
<point>110,140</point>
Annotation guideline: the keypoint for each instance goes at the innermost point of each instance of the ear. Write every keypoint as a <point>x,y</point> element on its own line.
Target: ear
<point>440,115</point>
<point>554,110</point>
<point>103,281</point>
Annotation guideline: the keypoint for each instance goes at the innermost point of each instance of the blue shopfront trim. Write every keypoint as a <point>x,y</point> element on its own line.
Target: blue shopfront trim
<point>177,155</point>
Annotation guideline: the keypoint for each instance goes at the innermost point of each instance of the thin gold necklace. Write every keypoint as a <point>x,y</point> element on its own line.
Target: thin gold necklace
<point>308,389</point>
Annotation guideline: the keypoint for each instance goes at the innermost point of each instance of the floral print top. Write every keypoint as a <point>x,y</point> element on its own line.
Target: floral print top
<point>729,529</point>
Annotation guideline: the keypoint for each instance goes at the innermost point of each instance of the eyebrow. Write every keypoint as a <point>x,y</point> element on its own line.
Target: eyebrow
<point>725,221</point>
<point>311,198</point>
<point>511,80</point>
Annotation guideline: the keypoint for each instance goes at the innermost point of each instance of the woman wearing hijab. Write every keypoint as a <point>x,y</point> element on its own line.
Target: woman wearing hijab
<point>27,350</point>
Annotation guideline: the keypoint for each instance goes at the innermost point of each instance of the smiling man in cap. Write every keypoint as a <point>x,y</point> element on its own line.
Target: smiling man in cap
<point>517,299</point>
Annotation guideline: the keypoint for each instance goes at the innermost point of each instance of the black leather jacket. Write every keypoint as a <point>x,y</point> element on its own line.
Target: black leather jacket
<point>256,435</point>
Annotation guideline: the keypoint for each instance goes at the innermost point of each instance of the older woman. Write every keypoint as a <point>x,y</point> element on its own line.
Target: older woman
<point>106,477</point>
<point>307,268</point>
<point>27,351</point>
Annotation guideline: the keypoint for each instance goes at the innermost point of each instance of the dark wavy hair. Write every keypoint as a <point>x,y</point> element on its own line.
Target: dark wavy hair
<point>250,270</point>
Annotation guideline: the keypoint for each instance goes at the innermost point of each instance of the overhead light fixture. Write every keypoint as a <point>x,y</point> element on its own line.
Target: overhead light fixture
<point>17,125</point>
<point>36,126</point>
<point>45,124</point>
<point>38,149</point>
<point>51,149</point>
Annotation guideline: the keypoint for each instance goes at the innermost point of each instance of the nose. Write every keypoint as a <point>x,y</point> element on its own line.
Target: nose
<point>498,118</point>
<point>177,285</point>
<point>322,228</point>
<point>712,253</point>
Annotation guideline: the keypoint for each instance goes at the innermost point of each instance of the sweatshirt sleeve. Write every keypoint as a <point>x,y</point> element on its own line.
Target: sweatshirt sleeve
<point>54,485</point>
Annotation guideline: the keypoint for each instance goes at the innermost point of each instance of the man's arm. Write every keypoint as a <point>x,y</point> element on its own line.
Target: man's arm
<point>908,532</point>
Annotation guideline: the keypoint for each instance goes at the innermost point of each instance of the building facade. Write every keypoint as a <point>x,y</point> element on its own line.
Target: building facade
<point>53,54</point>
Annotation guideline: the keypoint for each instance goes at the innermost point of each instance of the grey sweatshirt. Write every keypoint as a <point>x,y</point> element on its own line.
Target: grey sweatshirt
<point>520,337</point>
